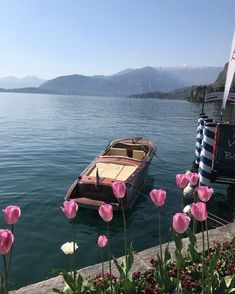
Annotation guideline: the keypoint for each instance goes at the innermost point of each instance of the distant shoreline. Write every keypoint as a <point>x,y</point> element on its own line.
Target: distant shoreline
<point>29,90</point>
<point>173,95</point>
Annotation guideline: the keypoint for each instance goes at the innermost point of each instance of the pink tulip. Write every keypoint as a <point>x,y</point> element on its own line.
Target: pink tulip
<point>119,189</point>
<point>106,212</point>
<point>181,222</point>
<point>199,211</point>
<point>6,241</point>
<point>102,241</point>
<point>12,214</point>
<point>158,197</point>
<point>181,180</point>
<point>204,193</point>
<point>192,178</point>
<point>70,209</point>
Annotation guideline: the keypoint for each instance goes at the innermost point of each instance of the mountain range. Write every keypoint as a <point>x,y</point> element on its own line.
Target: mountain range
<point>132,81</point>
<point>124,83</point>
<point>121,84</point>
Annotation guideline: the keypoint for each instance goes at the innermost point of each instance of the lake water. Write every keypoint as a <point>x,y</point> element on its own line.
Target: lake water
<point>47,140</point>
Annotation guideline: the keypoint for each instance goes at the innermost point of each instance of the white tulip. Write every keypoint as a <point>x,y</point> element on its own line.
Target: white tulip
<point>67,248</point>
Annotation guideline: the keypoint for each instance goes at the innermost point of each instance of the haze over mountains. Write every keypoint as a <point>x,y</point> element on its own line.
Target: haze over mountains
<point>124,83</point>
<point>192,75</point>
<point>14,82</point>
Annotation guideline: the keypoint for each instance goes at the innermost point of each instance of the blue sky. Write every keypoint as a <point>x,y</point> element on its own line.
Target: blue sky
<point>49,38</point>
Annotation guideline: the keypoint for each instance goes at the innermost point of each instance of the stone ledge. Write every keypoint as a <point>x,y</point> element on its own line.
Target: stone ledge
<point>141,262</point>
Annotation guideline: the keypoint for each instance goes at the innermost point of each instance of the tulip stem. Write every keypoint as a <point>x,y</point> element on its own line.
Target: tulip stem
<point>178,265</point>
<point>203,257</point>
<point>182,200</point>
<point>207,236</point>
<point>159,232</point>
<point>109,257</point>
<point>178,278</point>
<point>10,255</point>
<point>5,287</point>
<point>70,264</point>
<point>102,260</point>
<point>124,225</point>
<point>194,220</point>
<point>74,271</point>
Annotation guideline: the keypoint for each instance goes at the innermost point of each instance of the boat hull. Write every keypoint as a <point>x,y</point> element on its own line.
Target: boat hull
<point>125,160</point>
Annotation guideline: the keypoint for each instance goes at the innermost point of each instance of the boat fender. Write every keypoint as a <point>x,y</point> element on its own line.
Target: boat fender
<point>187,210</point>
<point>189,189</point>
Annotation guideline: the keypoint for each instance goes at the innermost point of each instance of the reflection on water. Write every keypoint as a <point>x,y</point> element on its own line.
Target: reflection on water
<point>47,140</point>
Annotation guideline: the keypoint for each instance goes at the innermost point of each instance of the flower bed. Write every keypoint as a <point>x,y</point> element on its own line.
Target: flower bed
<point>220,264</point>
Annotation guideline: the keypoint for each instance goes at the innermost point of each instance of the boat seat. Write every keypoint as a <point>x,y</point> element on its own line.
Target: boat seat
<point>138,154</point>
<point>113,171</point>
<point>126,172</point>
<point>117,151</point>
<point>107,170</point>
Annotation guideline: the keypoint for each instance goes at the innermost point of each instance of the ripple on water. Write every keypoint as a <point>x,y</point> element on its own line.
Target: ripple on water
<point>47,140</point>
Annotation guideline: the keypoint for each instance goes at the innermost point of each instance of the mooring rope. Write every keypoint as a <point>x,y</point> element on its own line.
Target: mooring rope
<point>211,216</point>
<point>215,220</point>
<point>219,218</point>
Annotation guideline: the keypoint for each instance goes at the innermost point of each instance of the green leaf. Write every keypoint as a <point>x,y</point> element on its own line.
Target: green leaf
<point>97,291</point>
<point>170,284</point>
<point>222,287</point>
<point>79,283</point>
<point>179,290</point>
<point>130,260</point>
<point>194,254</point>
<point>215,281</point>
<point>233,241</point>
<point>167,254</point>
<point>126,263</point>
<point>159,276</point>
<point>228,281</point>
<point>177,239</point>
<point>69,280</point>
<point>128,286</point>
<point>58,272</point>
<point>57,291</point>
<point>192,237</point>
<point>119,268</point>
<point>213,260</point>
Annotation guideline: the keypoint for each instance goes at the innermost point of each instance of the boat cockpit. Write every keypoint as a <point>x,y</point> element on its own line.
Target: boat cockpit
<point>129,150</point>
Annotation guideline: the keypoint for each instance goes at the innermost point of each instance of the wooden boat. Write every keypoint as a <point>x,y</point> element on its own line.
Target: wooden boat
<point>124,160</point>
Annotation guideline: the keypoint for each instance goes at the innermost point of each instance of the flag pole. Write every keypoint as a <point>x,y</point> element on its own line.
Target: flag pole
<point>229,77</point>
